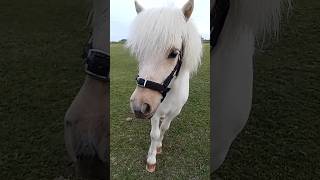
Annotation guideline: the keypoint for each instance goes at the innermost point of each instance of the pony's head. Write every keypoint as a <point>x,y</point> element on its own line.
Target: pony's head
<point>157,37</point>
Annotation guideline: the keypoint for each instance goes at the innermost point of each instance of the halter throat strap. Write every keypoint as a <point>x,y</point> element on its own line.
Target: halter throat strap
<point>163,88</point>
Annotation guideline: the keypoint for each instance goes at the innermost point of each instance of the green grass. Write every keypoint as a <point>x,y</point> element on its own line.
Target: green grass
<point>40,73</point>
<point>186,144</point>
<point>282,139</point>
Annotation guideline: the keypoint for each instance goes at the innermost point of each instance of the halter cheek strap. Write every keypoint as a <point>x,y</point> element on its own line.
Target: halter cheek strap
<point>163,88</point>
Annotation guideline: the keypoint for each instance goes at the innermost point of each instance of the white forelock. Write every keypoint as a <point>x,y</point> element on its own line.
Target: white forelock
<point>155,31</point>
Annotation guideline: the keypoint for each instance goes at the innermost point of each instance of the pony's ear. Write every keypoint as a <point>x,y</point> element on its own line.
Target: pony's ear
<point>187,9</point>
<point>139,8</point>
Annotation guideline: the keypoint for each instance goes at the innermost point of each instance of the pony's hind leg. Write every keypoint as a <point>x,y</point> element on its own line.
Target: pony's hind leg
<point>155,136</point>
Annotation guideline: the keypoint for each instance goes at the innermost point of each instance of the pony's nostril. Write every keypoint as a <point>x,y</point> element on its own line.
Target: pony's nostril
<point>145,108</point>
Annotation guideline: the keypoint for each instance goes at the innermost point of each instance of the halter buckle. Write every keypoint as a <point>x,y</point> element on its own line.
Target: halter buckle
<point>141,82</point>
<point>97,64</point>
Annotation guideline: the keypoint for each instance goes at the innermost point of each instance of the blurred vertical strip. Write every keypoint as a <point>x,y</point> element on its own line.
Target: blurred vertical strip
<point>87,119</point>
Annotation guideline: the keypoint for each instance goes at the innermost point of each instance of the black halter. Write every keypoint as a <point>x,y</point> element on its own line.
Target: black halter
<point>97,63</point>
<point>163,88</point>
<point>219,14</point>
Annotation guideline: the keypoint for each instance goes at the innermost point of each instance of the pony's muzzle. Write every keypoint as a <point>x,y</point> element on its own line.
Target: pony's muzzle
<point>144,112</point>
<point>144,102</point>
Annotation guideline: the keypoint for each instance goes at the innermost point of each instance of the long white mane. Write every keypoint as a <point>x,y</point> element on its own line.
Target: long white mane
<point>155,31</point>
<point>260,16</point>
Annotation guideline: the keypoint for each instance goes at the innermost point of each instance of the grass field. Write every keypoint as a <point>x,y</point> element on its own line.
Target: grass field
<point>282,139</point>
<point>40,73</point>
<point>186,145</point>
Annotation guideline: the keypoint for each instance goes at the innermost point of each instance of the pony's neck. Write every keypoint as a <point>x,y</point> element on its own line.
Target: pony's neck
<point>100,26</point>
<point>183,76</point>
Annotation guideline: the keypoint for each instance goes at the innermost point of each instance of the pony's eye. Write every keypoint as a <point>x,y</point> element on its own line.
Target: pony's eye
<point>173,54</point>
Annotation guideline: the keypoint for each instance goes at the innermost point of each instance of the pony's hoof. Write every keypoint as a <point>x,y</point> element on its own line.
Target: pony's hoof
<point>151,168</point>
<point>159,150</point>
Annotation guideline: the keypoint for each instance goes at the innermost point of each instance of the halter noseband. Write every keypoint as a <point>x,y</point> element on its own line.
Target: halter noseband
<point>163,88</point>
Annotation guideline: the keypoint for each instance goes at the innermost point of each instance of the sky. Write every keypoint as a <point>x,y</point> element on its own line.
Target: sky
<point>122,13</point>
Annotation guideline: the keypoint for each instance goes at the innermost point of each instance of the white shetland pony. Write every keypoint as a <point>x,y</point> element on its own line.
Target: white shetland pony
<point>161,39</point>
<point>232,68</point>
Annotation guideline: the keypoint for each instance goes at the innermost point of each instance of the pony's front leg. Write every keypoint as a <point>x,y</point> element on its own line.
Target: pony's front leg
<point>163,128</point>
<point>154,135</point>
